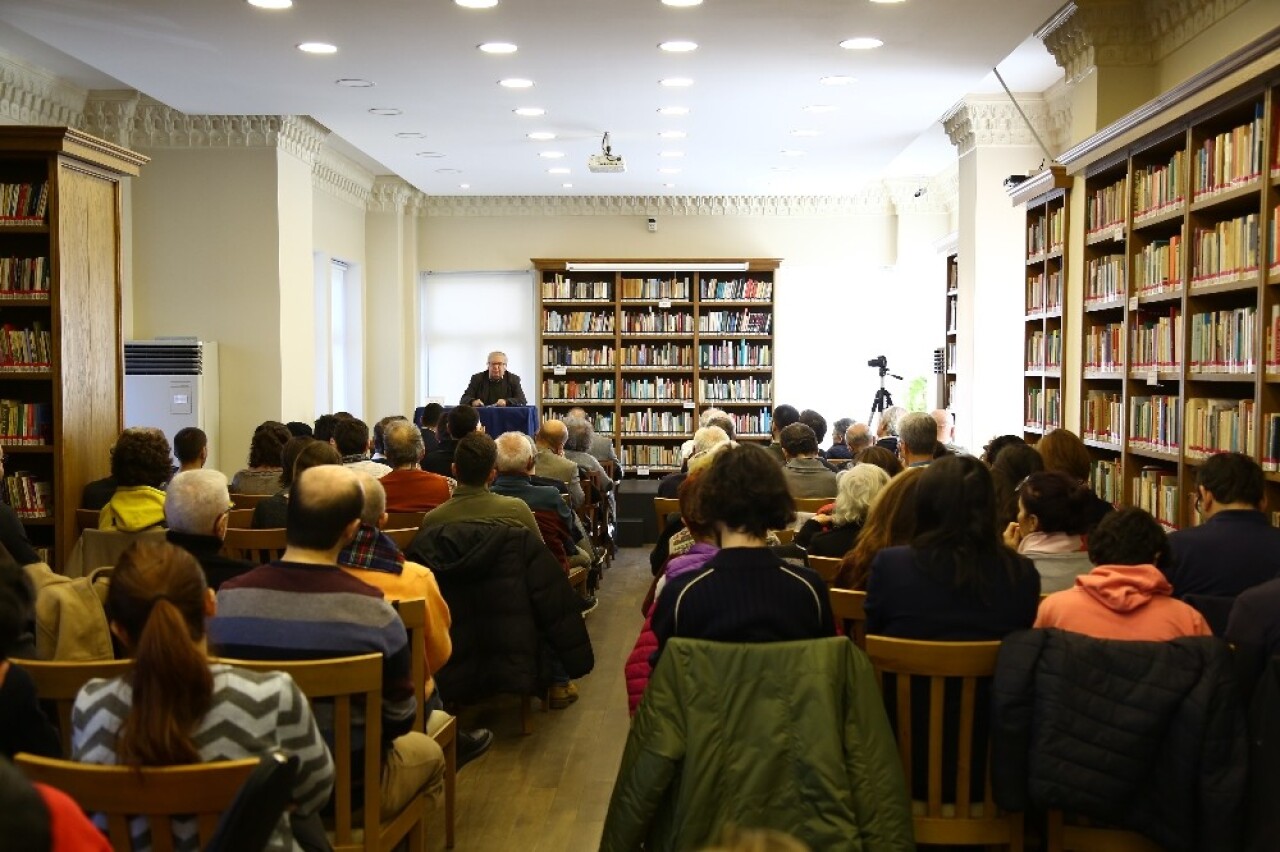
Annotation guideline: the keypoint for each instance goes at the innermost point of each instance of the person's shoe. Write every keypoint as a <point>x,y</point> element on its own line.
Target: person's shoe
<point>589,604</point>
<point>561,695</point>
<point>472,744</point>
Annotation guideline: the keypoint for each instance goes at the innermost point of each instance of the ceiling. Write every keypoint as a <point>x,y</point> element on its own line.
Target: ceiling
<point>596,67</point>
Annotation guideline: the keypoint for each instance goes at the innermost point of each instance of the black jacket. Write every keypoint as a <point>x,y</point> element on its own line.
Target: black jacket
<point>1144,736</point>
<point>440,460</point>
<point>507,596</point>
<point>486,390</point>
<point>207,549</point>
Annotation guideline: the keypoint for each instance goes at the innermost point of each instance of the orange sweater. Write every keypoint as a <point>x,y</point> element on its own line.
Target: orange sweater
<point>1122,602</point>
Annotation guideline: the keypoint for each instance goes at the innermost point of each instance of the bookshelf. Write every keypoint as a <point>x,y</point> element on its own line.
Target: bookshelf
<point>1043,324</point>
<point>61,371</point>
<point>953,323</point>
<point>644,351</point>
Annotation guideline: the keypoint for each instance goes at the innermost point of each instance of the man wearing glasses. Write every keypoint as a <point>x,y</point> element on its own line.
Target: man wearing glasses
<point>494,386</point>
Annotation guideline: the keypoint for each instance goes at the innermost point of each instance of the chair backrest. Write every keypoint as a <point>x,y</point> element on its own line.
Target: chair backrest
<point>348,683</point>
<point>413,612</point>
<point>826,566</point>
<point>813,504</point>
<point>554,533</point>
<point>784,536</point>
<point>240,519</point>
<point>247,501</point>
<point>402,537</point>
<point>663,506</point>
<point>60,683</point>
<point>971,814</point>
<point>257,546</point>
<point>849,607</point>
<point>404,520</point>
<point>87,519</point>
<point>159,793</point>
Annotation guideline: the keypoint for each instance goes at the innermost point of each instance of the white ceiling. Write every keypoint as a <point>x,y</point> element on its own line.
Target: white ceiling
<point>596,67</point>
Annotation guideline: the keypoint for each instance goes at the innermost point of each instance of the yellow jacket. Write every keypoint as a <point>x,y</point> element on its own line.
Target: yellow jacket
<point>133,508</point>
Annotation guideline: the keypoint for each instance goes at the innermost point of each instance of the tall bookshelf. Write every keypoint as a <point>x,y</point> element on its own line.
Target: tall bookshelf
<point>1180,330</point>
<point>61,373</point>
<point>643,351</point>
<point>948,396</point>
<point>1043,324</point>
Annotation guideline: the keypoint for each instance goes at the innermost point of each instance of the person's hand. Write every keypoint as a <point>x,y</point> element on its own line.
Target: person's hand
<point>477,403</point>
<point>501,402</point>
<point>1012,535</point>
<point>824,520</point>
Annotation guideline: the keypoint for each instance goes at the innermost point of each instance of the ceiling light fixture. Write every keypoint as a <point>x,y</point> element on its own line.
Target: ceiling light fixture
<point>815,108</point>
<point>541,135</point>
<point>676,82</point>
<point>411,134</point>
<point>516,83</point>
<point>385,111</point>
<point>434,155</point>
<point>498,47</point>
<point>271,4</point>
<point>464,186</point>
<point>887,2</point>
<point>354,83</point>
<point>728,266</point>
<point>558,170</point>
<point>476,4</point>
<point>673,110</point>
<point>678,46</point>
<point>861,43</point>
<point>320,47</point>
<point>567,185</point>
<point>672,134</point>
<point>529,112</point>
<point>682,3</point>
<point>551,155</point>
<point>669,185</point>
<point>837,80</point>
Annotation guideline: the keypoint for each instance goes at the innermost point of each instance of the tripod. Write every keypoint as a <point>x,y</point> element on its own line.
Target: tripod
<point>883,399</point>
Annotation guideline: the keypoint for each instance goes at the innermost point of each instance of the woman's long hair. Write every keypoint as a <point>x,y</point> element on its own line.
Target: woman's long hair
<point>890,521</point>
<point>157,598</point>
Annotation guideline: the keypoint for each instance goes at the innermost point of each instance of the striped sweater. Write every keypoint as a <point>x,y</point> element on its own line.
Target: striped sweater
<point>250,714</point>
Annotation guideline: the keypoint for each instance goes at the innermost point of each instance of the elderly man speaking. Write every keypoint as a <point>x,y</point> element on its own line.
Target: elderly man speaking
<point>494,386</point>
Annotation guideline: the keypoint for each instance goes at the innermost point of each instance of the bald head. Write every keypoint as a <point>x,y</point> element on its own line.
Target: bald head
<point>324,503</point>
<point>577,411</point>
<point>375,499</point>
<point>552,435</point>
<point>943,419</point>
<point>858,437</point>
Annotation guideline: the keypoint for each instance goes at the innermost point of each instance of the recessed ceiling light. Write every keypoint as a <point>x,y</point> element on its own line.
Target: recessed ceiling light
<point>464,186</point>
<point>558,170</point>
<point>434,155</point>
<point>837,80</point>
<point>317,47</point>
<point>674,110</point>
<point>806,132</point>
<point>551,155</point>
<point>861,43</point>
<point>787,152</point>
<point>354,83</point>
<point>821,108</point>
<point>529,112</point>
<point>668,171</point>
<point>448,171</point>
<point>385,111</point>
<point>271,4</point>
<point>498,47</point>
<point>541,135</point>
<point>672,134</point>
<point>676,82</point>
<point>567,185</point>
<point>476,4</point>
<point>516,83</point>
<point>681,3</point>
<point>678,46</point>
<point>672,154</point>
<point>411,134</point>
<point>886,2</point>
<point>669,185</point>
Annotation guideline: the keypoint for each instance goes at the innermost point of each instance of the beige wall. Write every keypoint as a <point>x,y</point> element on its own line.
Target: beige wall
<point>1237,29</point>
<point>296,298</point>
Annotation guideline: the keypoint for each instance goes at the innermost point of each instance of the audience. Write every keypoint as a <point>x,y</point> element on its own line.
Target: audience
<point>262,476</point>
<point>998,443</point>
<point>140,467</point>
<point>1050,528</point>
<point>430,425</point>
<point>1064,451</point>
<point>298,429</point>
<point>1235,548</point>
<point>917,438</point>
<point>299,454</point>
<point>601,448</point>
<point>550,461</point>
<point>23,725</point>
<point>803,472</point>
<point>351,439</point>
<point>190,448</point>
<point>304,606</point>
<point>576,448</point>
<point>408,487</point>
<point>703,440</point>
<point>460,422</point>
<point>704,419</point>
<point>783,416</point>
<point>946,431</point>
<point>891,521</point>
<point>196,511</point>
<point>887,428</point>
<point>818,424</point>
<point>514,465</point>
<point>176,707</point>
<point>323,430</point>
<point>39,818</point>
<point>834,534</point>
<point>955,581</point>
<point>880,457</point>
<point>839,451</point>
<point>858,437</point>
<point>1014,464</point>
<point>473,467</point>
<point>1126,596</point>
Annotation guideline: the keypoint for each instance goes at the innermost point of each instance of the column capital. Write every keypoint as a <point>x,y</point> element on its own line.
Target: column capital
<point>109,114</point>
<point>1088,34</point>
<point>31,95</point>
<point>991,120</point>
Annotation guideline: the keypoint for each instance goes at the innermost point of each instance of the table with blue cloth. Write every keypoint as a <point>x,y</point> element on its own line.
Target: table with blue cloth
<point>497,418</point>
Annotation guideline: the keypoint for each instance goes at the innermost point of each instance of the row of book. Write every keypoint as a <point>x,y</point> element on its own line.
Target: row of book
<point>1043,408</point>
<point>1104,478</point>
<point>1219,426</point>
<point>577,322</point>
<point>1047,233</point>
<point>953,314</point>
<point>571,356</point>
<point>735,390</point>
<point>735,289</point>
<point>1155,489</point>
<point>1044,292</point>
<point>1231,158</point>
<point>28,496</point>
<point>1154,424</point>
<point>23,203</point>
<point>1223,341</point>
<point>598,389</point>
<point>677,289</point>
<point>1157,188</point>
<point>1227,251</point>
<point>1271,446</point>
<point>561,287</point>
<point>951,355</point>
<point>1157,268</point>
<point>1105,208</point>
<point>744,321</point>
<point>25,349</point>
<point>1102,415</point>
<point>650,455</point>
<point>24,276</point>
<point>1103,347</point>
<point>662,389</point>
<point>1156,342</point>
<point>653,321</point>
<point>658,422</point>
<point>1104,279</point>
<point>658,355</point>
<point>1044,349</point>
<point>735,353</point>
<point>1273,239</point>
<point>601,420</point>
<point>25,423</point>
<point>1271,355</point>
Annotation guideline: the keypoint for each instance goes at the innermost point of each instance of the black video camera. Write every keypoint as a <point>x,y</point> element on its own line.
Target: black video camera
<point>881,362</point>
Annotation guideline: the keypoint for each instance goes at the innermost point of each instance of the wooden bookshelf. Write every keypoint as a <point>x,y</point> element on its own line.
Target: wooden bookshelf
<point>1043,326</point>
<point>61,357</point>
<point>948,396</point>
<point>644,352</point>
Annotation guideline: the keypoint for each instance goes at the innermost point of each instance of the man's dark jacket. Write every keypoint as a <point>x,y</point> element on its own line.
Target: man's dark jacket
<point>488,391</point>
<point>506,595</point>
<point>1144,736</point>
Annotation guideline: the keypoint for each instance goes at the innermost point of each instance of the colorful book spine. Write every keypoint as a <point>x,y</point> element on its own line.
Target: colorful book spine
<point>1154,424</point>
<point>1105,208</point>
<point>1223,341</point>
<point>1226,252</point>
<point>1102,347</point>
<point>1230,159</point>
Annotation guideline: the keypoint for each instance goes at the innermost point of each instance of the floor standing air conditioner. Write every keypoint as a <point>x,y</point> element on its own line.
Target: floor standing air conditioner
<point>172,383</point>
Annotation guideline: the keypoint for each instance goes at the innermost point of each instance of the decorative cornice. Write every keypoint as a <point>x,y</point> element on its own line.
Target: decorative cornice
<point>1100,33</point>
<point>390,194</point>
<point>1058,102</point>
<point>1173,23</point>
<point>158,126</point>
<point>342,177</point>
<point>109,114</point>
<point>991,120</point>
<point>915,195</point>
<point>872,200</point>
<point>945,187</point>
<point>31,95</point>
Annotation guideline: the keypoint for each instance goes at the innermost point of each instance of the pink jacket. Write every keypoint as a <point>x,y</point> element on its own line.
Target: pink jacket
<point>1122,602</point>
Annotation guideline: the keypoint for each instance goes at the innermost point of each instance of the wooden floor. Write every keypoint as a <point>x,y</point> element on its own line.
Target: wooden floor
<point>550,790</point>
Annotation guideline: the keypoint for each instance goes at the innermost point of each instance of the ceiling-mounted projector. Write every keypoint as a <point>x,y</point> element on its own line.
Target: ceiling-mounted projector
<point>606,162</point>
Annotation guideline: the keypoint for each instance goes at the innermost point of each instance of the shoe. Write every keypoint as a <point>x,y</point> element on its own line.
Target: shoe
<point>472,744</point>
<point>589,604</point>
<point>561,695</point>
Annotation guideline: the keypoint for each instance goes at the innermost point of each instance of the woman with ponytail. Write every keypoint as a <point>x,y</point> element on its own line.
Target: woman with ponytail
<point>175,706</point>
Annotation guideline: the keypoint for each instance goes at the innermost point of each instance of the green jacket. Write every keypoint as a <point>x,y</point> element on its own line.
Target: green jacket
<point>785,735</point>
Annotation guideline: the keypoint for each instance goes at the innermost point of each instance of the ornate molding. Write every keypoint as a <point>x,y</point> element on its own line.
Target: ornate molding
<point>156,125</point>
<point>945,187</point>
<point>31,95</point>
<point>109,114</point>
<point>1173,23</point>
<point>1100,33</point>
<point>873,200</point>
<point>1058,103</point>
<point>341,177</point>
<point>390,194</point>
<point>916,195</point>
<point>994,121</point>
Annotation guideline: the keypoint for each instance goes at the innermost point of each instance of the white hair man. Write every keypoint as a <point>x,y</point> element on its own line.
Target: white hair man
<point>601,445</point>
<point>703,441</point>
<point>946,431</point>
<point>704,419</point>
<point>858,437</point>
<point>408,487</point>
<point>494,385</point>
<point>887,427</point>
<point>917,439</point>
<point>197,510</point>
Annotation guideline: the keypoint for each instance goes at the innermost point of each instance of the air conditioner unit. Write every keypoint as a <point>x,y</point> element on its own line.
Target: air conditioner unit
<point>172,383</point>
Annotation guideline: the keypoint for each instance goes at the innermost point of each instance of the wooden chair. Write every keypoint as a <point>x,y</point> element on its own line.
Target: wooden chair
<point>784,536</point>
<point>247,501</point>
<point>240,519</point>
<point>86,519</point>
<point>849,608</point>
<point>257,546</point>
<point>595,513</point>
<point>159,793</point>
<point>350,682</point>
<point>972,818</point>
<point>663,506</point>
<point>811,505</point>
<point>404,520</point>
<point>60,683</point>
<point>402,537</point>
<point>826,566</point>
<point>413,612</point>
<point>1065,835</point>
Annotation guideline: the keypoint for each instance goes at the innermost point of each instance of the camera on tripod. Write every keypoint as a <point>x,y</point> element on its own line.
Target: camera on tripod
<point>881,362</point>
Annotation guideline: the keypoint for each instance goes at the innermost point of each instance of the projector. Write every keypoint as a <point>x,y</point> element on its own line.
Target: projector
<point>606,164</point>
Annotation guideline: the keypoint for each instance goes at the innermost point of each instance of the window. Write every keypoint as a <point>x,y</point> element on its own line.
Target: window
<point>339,336</point>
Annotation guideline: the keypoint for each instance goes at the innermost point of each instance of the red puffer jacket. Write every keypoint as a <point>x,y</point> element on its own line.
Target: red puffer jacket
<point>638,668</point>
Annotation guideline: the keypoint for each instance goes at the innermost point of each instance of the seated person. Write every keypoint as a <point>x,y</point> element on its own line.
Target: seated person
<point>891,521</point>
<point>804,472</point>
<point>955,581</point>
<point>818,424</point>
<point>23,725</point>
<point>262,476</point>
<point>459,423</point>
<point>918,439</point>
<point>839,451</point>
<point>191,448</point>
<point>1063,451</point>
<point>704,439</point>
<point>834,534</point>
<point>880,457</point>
<point>514,465</point>
<point>38,817</point>
<point>757,597</point>
<point>140,466</point>
<point>1014,464</point>
<point>1126,596</point>
<point>783,416</point>
<point>576,450</point>
<point>430,425</point>
<point>410,488</point>
<point>351,438</point>
<point>602,447</point>
<point>1053,515</point>
<point>494,386</point>
<point>298,455</point>
<point>196,511</point>
<point>473,467</point>
<point>175,706</point>
<point>550,461</point>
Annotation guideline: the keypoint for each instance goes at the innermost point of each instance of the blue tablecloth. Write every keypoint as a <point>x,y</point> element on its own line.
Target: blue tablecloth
<point>498,419</point>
